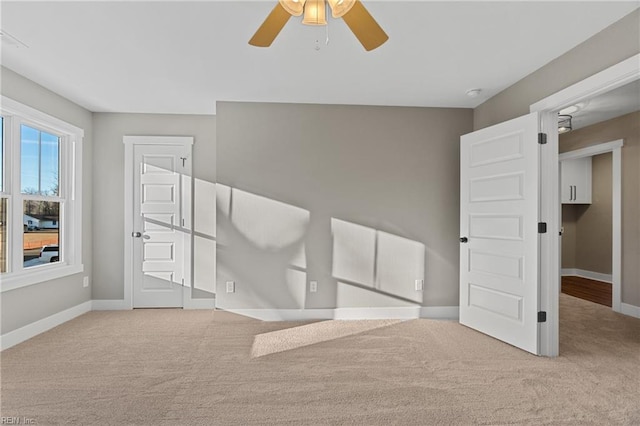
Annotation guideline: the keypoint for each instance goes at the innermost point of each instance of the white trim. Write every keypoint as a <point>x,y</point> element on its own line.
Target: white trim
<point>440,312</point>
<point>590,151</point>
<point>611,78</point>
<point>109,305</point>
<point>616,231</point>
<point>158,140</point>
<point>130,142</point>
<point>284,314</point>
<point>123,305</point>
<point>38,274</point>
<point>631,310</point>
<point>550,208</point>
<point>11,107</point>
<point>405,312</point>
<point>128,224</point>
<point>22,334</point>
<point>607,278</point>
<point>70,180</point>
<point>190,303</point>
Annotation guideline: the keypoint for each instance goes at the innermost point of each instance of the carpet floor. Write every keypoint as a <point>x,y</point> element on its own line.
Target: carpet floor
<point>175,367</point>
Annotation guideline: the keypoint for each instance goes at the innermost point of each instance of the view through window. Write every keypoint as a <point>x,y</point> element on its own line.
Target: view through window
<point>39,183</point>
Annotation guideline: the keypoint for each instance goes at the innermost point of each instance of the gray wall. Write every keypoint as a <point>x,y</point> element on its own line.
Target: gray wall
<point>627,128</point>
<point>610,46</point>
<point>363,200</point>
<point>586,243</point>
<point>25,305</point>
<point>108,207</point>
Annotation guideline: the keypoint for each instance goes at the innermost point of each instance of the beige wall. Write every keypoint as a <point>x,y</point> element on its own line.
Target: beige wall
<point>26,305</point>
<point>586,243</point>
<point>627,128</point>
<point>108,207</point>
<point>610,46</point>
<point>363,200</point>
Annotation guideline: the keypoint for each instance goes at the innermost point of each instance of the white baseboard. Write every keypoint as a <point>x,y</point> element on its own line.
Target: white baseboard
<point>408,312</point>
<point>199,304</point>
<point>109,305</point>
<point>440,312</point>
<point>21,334</point>
<point>14,337</point>
<point>284,314</point>
<point>607,278</point>
<point>631,310</point>
<point>404,312</point>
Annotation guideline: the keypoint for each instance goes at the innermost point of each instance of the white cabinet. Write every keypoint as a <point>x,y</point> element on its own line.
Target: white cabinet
<point>575,181</point>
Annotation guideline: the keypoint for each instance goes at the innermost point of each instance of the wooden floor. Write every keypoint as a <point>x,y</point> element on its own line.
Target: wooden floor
<point>584,288</point>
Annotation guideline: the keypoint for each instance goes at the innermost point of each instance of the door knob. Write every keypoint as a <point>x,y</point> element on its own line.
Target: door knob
<point>136,234</point>
<point>464,239</point>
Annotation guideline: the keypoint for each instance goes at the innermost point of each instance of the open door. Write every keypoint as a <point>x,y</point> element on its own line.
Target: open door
<point>499,205</point>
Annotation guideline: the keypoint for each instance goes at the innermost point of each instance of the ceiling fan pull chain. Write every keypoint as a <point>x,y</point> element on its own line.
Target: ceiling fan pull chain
<point>328,20</point>
<point>327,30</point>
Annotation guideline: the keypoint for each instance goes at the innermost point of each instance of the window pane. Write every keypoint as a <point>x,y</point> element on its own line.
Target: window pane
<point>40,160</point>
<point>41,238</point>
<point>3,235</point>
<point>49,164</point>
<point>2,155</point>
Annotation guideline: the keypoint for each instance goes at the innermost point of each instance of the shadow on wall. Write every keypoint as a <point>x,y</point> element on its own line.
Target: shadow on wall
<point>366,259</point>
<point>266,247</point>
<point>165,235</point>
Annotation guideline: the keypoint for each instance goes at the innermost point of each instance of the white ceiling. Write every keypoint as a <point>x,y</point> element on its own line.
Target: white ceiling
<point>182,57</point>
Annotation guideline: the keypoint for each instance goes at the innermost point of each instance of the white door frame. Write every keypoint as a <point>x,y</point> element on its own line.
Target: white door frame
<point>615,147</point>
<point>611,78</point>
<point>129,143</point>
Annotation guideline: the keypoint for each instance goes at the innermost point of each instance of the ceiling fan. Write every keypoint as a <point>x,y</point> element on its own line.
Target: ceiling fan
<point>357,18</point>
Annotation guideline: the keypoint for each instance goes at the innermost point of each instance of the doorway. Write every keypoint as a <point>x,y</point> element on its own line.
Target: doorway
<point>612,78</point>
<point>594,231</point>
<point>157,221</point>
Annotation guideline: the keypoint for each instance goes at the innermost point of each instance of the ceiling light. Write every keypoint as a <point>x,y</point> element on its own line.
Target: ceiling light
<point>294,7</point>
<point>564,123</point>
<point>339,8</point>
<point>572,109</point>
<point>314,13</point>
<point>473,93</point>
<point>569,110</point>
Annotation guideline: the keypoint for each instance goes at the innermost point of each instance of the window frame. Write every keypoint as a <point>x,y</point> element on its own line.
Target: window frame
<point>69,194</point>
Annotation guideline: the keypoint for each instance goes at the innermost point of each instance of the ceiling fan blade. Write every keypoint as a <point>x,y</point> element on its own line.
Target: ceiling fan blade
<point>271,27</point>
<point>364,27</point>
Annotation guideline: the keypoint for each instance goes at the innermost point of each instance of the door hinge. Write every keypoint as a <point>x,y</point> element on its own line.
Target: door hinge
<point>542,227</point>
<point>542,316</point>
<point>542,138</point>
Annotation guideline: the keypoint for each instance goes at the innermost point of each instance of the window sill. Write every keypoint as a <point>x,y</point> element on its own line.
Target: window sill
<point>37,276</point>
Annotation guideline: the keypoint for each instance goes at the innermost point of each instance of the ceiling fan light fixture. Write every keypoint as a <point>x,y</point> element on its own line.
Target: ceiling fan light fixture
<point>564,123</point>
<point>339,8</point>
<point>314,13</point>
<point>294,7</point>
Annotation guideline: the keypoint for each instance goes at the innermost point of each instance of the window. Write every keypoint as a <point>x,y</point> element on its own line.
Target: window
<point>40,197</point>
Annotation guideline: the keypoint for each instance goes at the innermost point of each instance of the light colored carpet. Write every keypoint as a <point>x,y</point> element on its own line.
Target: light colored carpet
<point>173,367</point>
<point>310,334</point>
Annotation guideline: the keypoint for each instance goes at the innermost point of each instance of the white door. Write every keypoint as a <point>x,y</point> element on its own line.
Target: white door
<point>499,199</point>
<point>161,236</point>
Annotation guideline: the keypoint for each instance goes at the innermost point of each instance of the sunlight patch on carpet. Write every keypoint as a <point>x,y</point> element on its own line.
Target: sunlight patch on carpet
<point>309,334</point>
